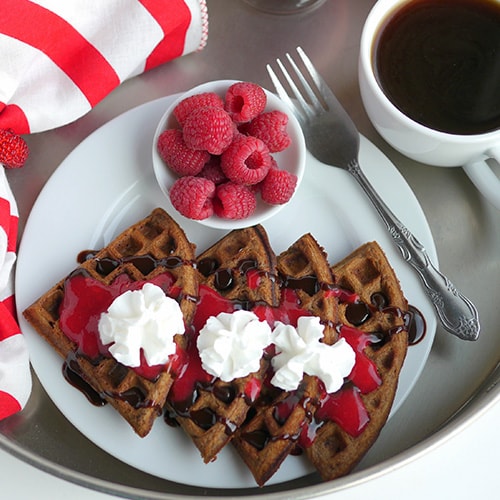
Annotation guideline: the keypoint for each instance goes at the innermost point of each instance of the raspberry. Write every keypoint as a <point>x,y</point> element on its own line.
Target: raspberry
<point>247,160</point>
<point>192,197</point>
<point>244,101</point>
<point>242,128</point>
<point>13,149</point>
<point>182,110</point>
<point>213,171</point>
<point>274,165</point>
<point>234,201</point>
<point>208,128</point>
<point>278,186</point>
<point>270,128</point>
<point>181,159</point>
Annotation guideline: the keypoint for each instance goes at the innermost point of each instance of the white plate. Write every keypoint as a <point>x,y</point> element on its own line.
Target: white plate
<point>106,184</point>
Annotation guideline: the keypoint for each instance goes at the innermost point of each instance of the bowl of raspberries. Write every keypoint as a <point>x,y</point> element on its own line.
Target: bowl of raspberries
<point>228,154</point>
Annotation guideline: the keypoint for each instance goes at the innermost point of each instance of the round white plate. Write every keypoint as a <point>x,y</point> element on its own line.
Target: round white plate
<point>106,184</point>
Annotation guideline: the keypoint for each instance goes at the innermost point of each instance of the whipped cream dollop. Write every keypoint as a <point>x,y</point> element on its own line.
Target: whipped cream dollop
<point>231,344</point>
<point>299,351</point>
<point>144,319</point>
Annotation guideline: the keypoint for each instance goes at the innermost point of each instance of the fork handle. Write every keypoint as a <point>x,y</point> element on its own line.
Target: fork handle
<point>456,312</point>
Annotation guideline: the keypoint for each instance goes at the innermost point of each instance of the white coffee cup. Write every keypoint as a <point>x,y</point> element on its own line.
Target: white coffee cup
<point>415,140</point>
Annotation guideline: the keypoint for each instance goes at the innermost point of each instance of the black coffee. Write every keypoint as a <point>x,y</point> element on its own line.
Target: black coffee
<point>438,61</point>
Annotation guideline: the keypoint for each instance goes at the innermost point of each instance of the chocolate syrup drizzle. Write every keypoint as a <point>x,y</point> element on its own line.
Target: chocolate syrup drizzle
<point>205,418</point>
<point>135,396</point>
<point>146,264</point>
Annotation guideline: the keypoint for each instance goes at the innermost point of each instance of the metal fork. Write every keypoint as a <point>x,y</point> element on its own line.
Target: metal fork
<point>333,139</point>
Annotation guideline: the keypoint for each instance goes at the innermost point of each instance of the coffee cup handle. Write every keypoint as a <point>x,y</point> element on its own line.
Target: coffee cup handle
<point>483,177</point>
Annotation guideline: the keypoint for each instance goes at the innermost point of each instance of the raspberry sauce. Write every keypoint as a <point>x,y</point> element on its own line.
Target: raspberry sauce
<point>364,375</point>
<point>345,408</point>
<point>183,392</point>
<point>85,299</point>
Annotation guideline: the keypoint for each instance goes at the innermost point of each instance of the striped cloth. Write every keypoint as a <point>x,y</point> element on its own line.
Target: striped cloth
<point>58,60</point>
<point>15,379</point>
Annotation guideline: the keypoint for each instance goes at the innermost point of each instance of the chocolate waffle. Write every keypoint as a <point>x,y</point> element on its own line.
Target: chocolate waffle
<point>276,422</point>
<point>153,249</point>
<point>241,269</point>
<point>380,312</point>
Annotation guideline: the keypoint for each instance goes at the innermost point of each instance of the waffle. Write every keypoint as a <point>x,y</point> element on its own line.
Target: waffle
<point>144,251</point>
<point>219,408</point>
<point>367,273</point>
<point>271,432</point>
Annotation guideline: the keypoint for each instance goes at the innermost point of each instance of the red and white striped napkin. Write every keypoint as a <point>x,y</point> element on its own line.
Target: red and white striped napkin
<point>15,379</point>
<point>58,60</point>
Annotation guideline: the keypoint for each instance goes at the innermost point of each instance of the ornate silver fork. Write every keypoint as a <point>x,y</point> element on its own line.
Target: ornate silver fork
<point>333,139</point>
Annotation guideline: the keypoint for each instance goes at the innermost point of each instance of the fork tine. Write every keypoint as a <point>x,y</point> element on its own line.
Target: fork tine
<point>279,87</point>
<point>302,108</point>
<point>322,86</point>
<point>296,92</point>
<point>315,102</point>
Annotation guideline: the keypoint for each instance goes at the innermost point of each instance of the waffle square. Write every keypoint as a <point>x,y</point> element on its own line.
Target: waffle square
<point>379,312</point>
<point>152,246</point>
<point>240,268</point>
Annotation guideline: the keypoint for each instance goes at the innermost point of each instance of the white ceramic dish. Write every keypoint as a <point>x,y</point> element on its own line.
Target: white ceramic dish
<point>292,158</point>
<point>106,184</point>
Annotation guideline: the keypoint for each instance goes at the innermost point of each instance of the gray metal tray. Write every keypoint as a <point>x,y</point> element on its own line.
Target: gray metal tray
<point>460,379</point>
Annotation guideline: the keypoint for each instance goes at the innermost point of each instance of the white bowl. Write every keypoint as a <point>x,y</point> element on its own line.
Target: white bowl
<point>292,158</point>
